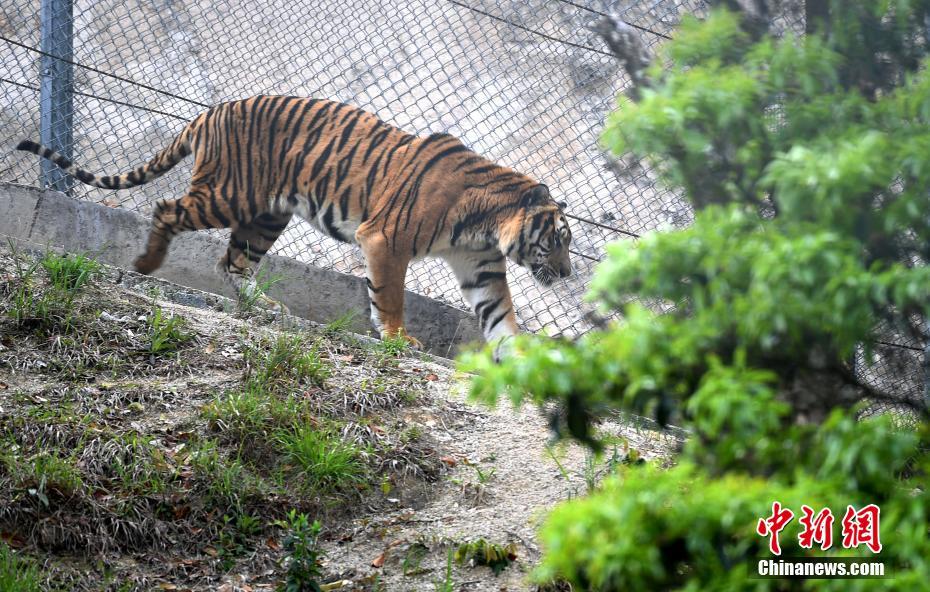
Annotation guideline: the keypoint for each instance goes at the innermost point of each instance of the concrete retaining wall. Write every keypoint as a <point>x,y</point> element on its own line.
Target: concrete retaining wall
<point>116,236</point>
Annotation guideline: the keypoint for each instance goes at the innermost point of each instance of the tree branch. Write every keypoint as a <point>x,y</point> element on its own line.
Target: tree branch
<point>625,43</point>
<point>816,16</point>
<point>756,15</point>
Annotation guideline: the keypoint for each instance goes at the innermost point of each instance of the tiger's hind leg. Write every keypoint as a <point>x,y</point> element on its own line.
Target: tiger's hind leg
<point>172,217</point>
<point>482,277</point>
<point>248,243</point>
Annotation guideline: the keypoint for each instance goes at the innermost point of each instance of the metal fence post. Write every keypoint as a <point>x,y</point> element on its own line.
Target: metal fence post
<point>57,81</point>
<point>816,15</point>
<point>927,376</point>
<point>926,327</point>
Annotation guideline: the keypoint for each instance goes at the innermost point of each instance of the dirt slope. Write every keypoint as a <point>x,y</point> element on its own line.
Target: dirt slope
<point>125,468</point>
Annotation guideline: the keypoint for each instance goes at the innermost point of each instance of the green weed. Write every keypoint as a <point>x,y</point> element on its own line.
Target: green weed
<point>250,414</point>
<point>340,325</point>
<point>590,470</point>
<point>447,584</point>
<point>411,434</point>
<point>233,537</point>
<point>413,558</point>
<point>248,525</point>
<point>227,484</point>
<point>46,471</point>
<point>18,574</point>
<point>27,302</point>
<point>135,468</point>
<point>264,403</point>
<point>166,333</point>
<point>483,476</point>
<point>241,412</point>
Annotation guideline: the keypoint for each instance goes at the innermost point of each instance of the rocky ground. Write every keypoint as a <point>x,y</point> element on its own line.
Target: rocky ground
<point>157,438</point>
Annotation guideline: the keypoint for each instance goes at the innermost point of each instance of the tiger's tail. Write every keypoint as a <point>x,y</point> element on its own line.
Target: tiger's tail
<point>160,164</point>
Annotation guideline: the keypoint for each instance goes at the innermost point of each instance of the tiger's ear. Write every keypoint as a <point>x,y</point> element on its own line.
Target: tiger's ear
<point>562,205</point>
<point>535,196</point>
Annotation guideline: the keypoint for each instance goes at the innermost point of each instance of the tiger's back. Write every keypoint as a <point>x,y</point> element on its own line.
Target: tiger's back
<point>259,161</point>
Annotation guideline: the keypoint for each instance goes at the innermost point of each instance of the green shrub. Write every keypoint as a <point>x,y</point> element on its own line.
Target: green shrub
<point>303,554</point>
<point>805,161</point>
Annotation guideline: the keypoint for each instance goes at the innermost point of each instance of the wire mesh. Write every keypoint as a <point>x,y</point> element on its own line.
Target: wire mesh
<point>524,82</point>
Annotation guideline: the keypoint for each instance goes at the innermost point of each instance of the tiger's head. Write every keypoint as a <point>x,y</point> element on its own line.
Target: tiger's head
<point>538,237</point>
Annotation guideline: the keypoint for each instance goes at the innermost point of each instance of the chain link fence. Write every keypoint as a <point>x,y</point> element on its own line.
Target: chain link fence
<point>524,82</point>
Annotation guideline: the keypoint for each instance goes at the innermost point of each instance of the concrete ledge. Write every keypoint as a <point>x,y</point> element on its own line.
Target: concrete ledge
<point>116,236</point>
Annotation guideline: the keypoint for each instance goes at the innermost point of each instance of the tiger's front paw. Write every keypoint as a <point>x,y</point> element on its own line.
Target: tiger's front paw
<point>402,333</point>
<point>505,348</point>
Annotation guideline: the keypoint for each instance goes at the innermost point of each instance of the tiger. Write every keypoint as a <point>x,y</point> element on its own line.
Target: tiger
<point>398,196</point>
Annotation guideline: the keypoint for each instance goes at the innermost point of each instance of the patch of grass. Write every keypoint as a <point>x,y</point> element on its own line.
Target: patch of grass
<point>484,477</point>
<point>9,459</point>
<point>61,412</point>
<point>411,434</point>
<point>276,431</point>
<point>447,584</point>
<point>340,325</point>
<point>27,300</point>
<point>250,415</point>
<point>69,273</point>
<point>166,333</point>
<point>135,466</point>
<point>303,554</point>
<point>556,585</point>
<point>590,471</point>
<point>18,574</point>
<point>326,462</point>
<point>413,558</point>
<point>392,347</point>
<point>481,552</point>
<point>475,489</point>
<point>227,484</point>
<point>53,303</point>
<point>47,471</point>
<point>241,412</point>
<point>286,360</point>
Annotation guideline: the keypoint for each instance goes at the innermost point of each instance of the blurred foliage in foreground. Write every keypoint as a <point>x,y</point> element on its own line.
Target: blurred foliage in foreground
<point>806,160</point>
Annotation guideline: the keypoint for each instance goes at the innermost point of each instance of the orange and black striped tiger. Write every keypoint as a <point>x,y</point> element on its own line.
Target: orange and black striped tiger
<point>400,197</point>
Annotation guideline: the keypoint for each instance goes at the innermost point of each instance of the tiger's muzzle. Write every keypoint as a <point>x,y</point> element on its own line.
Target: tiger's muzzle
<point>546,274</point>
